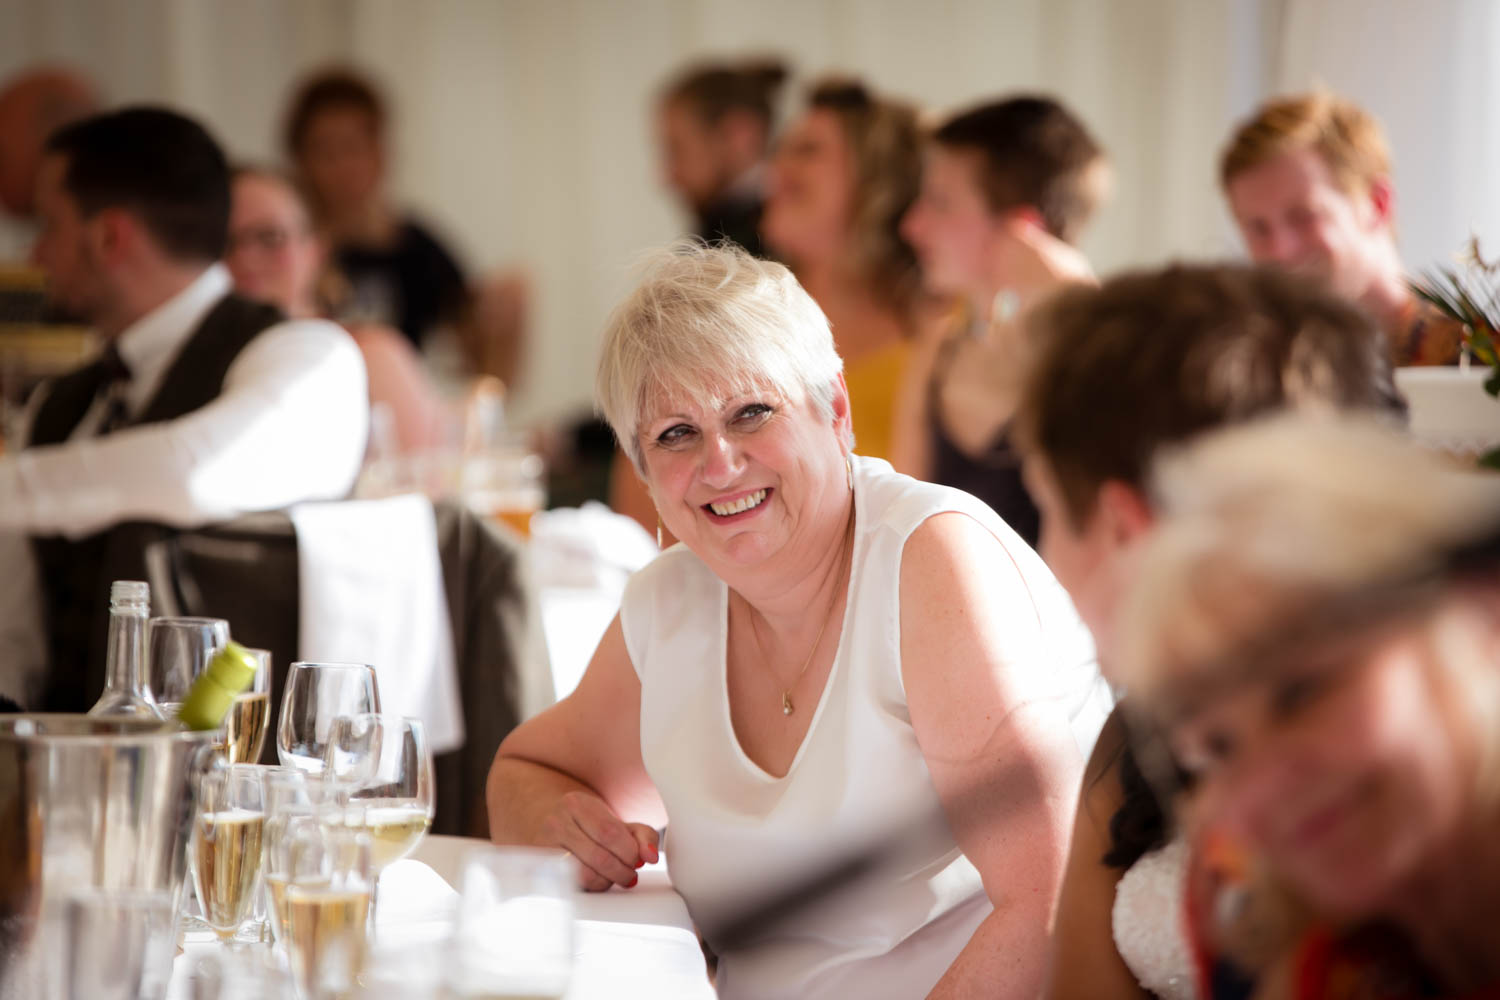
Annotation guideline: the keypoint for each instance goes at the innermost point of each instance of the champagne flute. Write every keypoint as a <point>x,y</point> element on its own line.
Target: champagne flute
<point>179,650</point>
<point>228,835</point>
<point>327,905</point>
<point>316,694</point>
<point>514,933</point>
<point>291,797</point>
<point>384,765</point>
<point>242,737</point>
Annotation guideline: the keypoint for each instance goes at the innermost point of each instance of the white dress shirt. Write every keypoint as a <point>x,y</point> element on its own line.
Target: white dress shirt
<point>288,426</point>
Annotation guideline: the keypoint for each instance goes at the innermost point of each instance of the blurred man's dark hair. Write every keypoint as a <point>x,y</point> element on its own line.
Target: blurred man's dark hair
<point>157,164</point>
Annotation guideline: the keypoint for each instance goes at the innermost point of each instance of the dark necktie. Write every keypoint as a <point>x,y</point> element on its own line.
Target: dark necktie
<point>114,377</point>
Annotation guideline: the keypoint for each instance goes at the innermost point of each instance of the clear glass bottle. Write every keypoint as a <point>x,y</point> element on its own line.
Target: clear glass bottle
<point>125,691</point>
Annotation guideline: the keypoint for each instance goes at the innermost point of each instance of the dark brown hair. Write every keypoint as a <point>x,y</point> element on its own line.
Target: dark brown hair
<point>338,87</point>
<point>1153,358</point>
<point>157,164</point>
<point>713,90</point>
<point>1035,153</point>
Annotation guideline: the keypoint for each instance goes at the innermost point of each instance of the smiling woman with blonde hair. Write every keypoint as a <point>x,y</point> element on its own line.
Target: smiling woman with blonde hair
<point>1316,631</point>
<point>834,655</point>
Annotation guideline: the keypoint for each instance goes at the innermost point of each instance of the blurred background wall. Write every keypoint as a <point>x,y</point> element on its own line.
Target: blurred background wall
<point>523,128</point>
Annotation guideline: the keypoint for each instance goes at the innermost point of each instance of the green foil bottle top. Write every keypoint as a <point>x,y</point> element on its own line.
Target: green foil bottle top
<point>228,674</point>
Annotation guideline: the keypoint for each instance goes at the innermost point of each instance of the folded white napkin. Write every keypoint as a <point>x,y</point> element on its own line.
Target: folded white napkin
<point>372,592</point>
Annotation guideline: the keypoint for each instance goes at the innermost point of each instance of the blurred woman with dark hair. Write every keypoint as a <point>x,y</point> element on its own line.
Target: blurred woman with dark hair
<point>843,175</point>
<point>1007,189</point>
<point>714,124</point>
<point>397,272</point>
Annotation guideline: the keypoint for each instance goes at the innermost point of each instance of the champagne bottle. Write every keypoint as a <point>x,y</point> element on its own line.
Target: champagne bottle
<point>125,692</point>
<point>227,675</point>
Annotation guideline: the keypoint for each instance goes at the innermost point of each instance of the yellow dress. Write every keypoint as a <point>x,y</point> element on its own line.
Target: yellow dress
<point>874,381</point>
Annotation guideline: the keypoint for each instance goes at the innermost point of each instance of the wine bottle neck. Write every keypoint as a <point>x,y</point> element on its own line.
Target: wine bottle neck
<point>126,654</point>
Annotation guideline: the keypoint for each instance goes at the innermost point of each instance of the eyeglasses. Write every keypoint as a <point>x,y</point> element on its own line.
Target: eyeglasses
<point>267,238</point>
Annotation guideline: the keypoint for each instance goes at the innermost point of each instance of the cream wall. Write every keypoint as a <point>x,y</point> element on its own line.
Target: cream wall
<point>523,128</point>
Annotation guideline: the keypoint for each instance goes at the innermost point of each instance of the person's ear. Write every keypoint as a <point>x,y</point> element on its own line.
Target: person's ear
<point>1381,198</point>
<point>113,235</point>
<point>843,419</point>
<point>1126,514</point>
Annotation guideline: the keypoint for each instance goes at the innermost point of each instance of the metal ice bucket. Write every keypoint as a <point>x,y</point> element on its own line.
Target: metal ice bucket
<point>95,816</point>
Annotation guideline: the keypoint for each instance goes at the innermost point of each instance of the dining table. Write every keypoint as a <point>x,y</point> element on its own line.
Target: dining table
<point>628,943</point>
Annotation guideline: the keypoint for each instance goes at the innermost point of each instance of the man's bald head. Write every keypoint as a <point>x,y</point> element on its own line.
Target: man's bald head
<point>33,105</point>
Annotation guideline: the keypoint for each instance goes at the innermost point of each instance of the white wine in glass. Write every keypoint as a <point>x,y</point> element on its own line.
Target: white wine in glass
<point>386,765</point>
<point>395,826</point>
<point>245,727</point>
<point>243,734</point>
<point>327,902</point>
<point>326,936</point>
<point>228,838</point>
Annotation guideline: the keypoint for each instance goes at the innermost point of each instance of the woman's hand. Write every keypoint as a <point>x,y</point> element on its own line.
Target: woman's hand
<point>565,777</point>
<point>609,850</point>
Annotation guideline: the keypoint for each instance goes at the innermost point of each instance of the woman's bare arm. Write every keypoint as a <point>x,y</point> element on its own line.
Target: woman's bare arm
<point>1083,960</point>
<point>1001,753</point>
<point>572,776</point>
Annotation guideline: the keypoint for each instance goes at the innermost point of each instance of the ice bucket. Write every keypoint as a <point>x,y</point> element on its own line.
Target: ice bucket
<point>95,815</point>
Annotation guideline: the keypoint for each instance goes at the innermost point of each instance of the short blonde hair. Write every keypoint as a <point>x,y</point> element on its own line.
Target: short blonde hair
<point>1347,138</point>
<point>1298,527</point>
<point>712,323</point>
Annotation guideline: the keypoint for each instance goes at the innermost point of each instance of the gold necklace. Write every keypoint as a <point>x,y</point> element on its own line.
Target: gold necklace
<point>787,708</point>
<point>786,693</point>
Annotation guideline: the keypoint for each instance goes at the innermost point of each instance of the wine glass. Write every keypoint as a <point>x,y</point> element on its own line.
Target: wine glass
<point>329,888</point>
<point>228,835</point>
<point>514,932</point>
<point>316,694</point>
<point>383,766</point>
<point>242,736</point>
<point>179,650</point>
<point>292,795</point>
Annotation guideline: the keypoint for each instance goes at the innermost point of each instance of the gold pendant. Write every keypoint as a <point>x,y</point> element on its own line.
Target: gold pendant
<point>786,703</point>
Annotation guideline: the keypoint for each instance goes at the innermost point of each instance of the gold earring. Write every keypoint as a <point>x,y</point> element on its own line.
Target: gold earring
<point>849,468</point>
<point>658,531</point>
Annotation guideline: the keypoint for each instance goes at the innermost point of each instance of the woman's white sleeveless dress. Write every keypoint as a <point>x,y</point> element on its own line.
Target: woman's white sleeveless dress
<point>859,781</point>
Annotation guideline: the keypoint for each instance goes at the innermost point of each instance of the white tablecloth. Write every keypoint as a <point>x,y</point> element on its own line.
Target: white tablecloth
<point>630,943</point>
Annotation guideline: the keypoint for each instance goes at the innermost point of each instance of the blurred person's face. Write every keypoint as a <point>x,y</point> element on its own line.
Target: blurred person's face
<point>1091,560</point>
<point>748,482</point>
<point>1292,214</point>
<point>1340,771</point>
<point>951,226</point>
<point>811,199</point>
<point>342,158</point>
<point>693,160</point>
<point>273,254</point>
<point>68,246</point>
